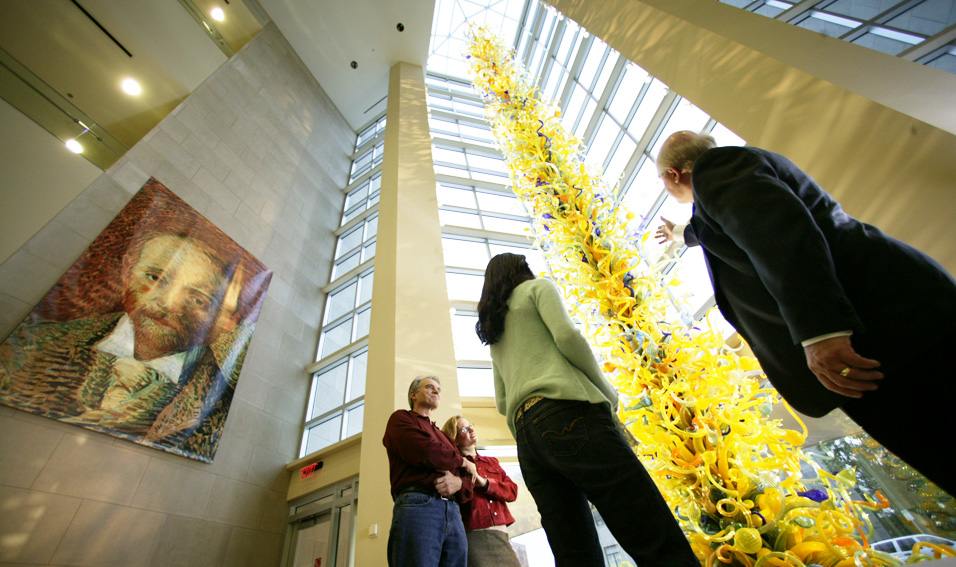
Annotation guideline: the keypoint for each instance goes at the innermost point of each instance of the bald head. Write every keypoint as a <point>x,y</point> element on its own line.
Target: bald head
<point>681,150</point>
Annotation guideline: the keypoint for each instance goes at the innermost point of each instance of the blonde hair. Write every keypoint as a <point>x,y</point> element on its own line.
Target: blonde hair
<point>681,150</point>
<point>451,428</point>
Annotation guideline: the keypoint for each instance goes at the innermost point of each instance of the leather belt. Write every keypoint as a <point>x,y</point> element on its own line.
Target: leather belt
<point>526,406</point>
<point>430,491</point>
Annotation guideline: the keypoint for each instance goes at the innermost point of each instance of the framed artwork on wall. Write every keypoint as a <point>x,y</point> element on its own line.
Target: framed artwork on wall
<point>144,336</point>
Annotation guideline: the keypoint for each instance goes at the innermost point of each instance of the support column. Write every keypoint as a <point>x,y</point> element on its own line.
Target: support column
<point>411,326</point>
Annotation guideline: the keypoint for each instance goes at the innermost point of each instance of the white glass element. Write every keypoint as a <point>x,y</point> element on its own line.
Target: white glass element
<point>74,146</point>
<point>217,14</point>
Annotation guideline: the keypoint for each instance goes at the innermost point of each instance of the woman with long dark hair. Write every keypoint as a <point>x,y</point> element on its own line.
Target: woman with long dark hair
<point>559,406</point>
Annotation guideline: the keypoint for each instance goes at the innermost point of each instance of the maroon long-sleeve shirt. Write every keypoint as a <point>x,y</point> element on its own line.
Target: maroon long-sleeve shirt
<point>418,451</point>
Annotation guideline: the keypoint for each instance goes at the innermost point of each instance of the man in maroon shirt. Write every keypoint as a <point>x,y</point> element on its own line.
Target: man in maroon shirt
<point>427,485</point>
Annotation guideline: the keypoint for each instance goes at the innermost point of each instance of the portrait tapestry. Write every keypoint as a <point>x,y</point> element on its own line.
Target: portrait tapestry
<point>144,336</point>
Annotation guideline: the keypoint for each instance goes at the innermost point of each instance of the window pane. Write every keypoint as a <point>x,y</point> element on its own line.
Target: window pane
<point>464,287</point>
<point>467,345</point>
<point>622,155</point>
<point>343,266</point>
<point>445,155</point>
<point>648,106</point>
<point>607,132</point>
<point>695,288</point>
<point>456,218</point>
<point>497,203</point>
<point>476,382</point>
<point>627,91</point>
<point>369,251</point>
<point>359,370</point>
<point>465,253</point>
<point>535,258</point>
<point>324,434</point>
<point>354,419</point>
<point>361,326</point>
<point>644,190</point>
<point>365,288</point>
<point>371,227</point>
<point>357,195</point>
<point>926,18</point>
<point>605,74</point>
<point>685,117</point>
<point>487,162</point>
<point>591,63</point>
<point>337,337</point>
<point>348,241</point>
<point>726,137</point>
<point>329,389</point>
<point>341,302</point>
<point>510,226</point>
<point>456,197</point>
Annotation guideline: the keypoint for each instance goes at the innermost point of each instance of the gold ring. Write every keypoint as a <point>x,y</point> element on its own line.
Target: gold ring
<point>845,372</point>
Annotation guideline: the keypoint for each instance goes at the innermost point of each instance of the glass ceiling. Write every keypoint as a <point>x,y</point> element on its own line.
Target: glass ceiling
<point>452,18</point>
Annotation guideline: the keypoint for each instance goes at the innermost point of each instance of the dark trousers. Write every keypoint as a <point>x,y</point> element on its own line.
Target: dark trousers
<point>570,452</point>
<point>911,413</point>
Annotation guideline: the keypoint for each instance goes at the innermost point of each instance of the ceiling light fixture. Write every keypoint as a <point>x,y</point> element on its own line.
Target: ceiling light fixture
<point>73,145</point>
<point>131,87</point>
<point>217,14</point>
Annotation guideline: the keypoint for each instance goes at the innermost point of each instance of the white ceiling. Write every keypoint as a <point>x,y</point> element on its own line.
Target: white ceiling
<point>329,34</point>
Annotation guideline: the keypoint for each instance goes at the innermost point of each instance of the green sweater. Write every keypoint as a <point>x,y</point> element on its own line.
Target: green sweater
<point>541,353</point>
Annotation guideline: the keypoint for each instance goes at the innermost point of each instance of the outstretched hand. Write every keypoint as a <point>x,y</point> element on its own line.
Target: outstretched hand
<point>665,232</point>
<point>840,369</point>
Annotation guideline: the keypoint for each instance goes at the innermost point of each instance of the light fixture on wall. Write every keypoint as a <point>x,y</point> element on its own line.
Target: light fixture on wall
<point>217,14</point>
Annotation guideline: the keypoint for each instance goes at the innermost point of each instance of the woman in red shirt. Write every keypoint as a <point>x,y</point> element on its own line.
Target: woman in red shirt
<point>486,515</point>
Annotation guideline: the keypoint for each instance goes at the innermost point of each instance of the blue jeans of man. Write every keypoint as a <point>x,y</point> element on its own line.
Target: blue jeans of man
<point>426,532</point>
<point>570,452</point>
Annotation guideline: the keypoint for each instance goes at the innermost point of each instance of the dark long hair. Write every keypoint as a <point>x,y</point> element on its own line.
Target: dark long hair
<point>504,273</point>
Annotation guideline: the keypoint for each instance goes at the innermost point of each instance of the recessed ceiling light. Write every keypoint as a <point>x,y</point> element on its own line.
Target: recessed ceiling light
<point>74,146</point>
<point>217,14</point>
<point>131,87</point>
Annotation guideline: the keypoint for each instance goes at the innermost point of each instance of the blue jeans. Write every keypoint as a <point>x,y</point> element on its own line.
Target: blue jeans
<point>426,532</point>
<point>570,452</point>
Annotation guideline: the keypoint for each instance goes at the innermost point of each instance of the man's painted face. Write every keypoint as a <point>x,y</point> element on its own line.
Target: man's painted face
<point>171,296</point>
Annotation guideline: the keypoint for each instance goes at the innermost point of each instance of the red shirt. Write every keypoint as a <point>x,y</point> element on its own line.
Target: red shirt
<point>418,450</point>
<point>488,507</point>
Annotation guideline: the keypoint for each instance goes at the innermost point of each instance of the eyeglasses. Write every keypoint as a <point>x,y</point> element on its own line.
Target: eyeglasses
<point>469,429</point>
